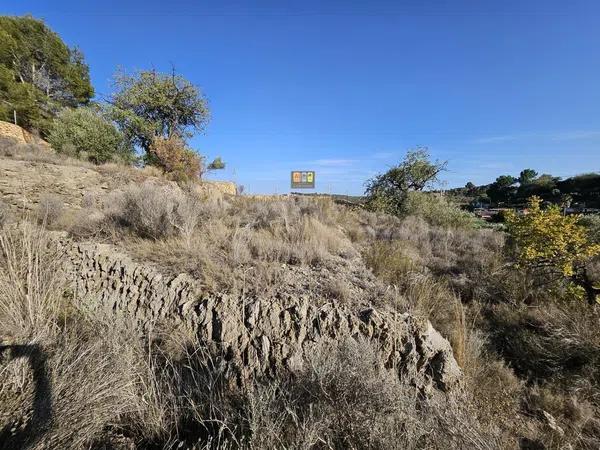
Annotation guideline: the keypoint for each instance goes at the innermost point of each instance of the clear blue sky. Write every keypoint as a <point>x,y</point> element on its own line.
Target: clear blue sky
<point>345,87</point>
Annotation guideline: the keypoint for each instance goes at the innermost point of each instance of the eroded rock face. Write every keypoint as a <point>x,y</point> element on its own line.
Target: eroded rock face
<point>257,337</point>
<point>20,136</point>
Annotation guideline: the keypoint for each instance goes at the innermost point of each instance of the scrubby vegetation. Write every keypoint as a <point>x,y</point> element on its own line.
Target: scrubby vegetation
<point>529,354</point>
<point>436,209</point>
<point>555,245</point>
<point>95,384</point>
<point>46,89</point>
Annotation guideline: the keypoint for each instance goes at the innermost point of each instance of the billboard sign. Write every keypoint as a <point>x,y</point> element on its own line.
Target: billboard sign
<point>303,179</point>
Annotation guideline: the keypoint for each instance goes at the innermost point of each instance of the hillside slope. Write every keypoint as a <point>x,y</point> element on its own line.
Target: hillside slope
<point>260,287</point>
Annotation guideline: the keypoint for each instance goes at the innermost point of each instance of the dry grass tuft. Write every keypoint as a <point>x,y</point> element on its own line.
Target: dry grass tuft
<point>64,380</point>
<point>5,215</point>
<point>40,154</point>
<point>50,209</point>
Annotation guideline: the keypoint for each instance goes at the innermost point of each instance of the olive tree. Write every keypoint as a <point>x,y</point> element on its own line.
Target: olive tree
<point>388,191</point>
<point>158,113</point>
<point>148,105</point>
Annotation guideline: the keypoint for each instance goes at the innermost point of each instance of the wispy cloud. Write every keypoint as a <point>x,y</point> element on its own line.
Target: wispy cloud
<point>384,155</point>
<point>494,139</point>
<point>553,136</point>
<point>334,162</point>
<point>575,135</point>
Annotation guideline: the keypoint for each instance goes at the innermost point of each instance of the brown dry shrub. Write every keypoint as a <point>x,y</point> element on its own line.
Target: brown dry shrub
<point>155,211</point>
<point>176,159</point>
<point>146,209</point>
<point>337,289</point>
<point>390,261</point>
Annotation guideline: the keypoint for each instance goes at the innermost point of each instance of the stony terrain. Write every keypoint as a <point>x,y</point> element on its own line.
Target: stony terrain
<point>23,183</point>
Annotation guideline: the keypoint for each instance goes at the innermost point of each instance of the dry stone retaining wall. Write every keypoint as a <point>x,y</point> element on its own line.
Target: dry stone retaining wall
<point>256,337</point>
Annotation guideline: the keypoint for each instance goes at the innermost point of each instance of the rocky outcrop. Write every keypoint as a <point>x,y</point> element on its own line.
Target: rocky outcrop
<point>20,136</point>
<point>256,337</point>
<point>226,187</point>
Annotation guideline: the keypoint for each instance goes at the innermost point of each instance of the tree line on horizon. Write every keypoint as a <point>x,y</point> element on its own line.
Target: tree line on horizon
<point>45,87</point>
<point>581,190</point>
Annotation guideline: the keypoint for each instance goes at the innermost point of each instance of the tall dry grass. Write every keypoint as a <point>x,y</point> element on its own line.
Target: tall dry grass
<point>5,215</point>
<point>65,378</point>
<point>31,287</point>
<point>103,382</point>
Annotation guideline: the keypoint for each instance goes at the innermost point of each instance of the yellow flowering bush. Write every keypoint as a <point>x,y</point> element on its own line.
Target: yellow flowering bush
<point>555,243</point>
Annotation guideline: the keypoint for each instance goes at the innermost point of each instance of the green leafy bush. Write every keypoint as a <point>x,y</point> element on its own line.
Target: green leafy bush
<point>592,223</point>
<point>437,210</point>
<point>86,134</point>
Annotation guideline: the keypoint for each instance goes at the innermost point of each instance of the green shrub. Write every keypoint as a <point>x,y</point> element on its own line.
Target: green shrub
<point>592,223</point>
<point>85,133</point>
<point>437,210</point>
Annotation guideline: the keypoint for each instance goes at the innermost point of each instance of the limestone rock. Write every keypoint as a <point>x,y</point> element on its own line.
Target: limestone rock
<point>20,136</point>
